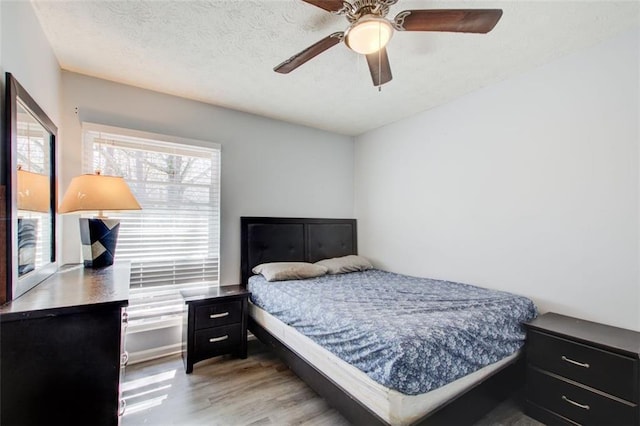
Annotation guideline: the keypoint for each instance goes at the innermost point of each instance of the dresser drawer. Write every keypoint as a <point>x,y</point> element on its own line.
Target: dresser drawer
<point>218,314</point>
<point>577,403</point>
<point>593,367</point>
<point>215,340</point>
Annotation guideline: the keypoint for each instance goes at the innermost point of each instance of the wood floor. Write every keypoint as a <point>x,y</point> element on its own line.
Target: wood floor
<point>259,390</point>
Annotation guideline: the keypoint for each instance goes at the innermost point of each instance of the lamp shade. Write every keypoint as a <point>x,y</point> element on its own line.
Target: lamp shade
<point>369,34</point>
<point>97,193</point>
<point>34,192</point>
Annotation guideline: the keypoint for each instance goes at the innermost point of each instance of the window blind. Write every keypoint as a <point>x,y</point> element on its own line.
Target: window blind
<point>173,242</point>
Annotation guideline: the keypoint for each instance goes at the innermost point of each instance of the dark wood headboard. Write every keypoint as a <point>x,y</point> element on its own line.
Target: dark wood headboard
<point>283,239</point>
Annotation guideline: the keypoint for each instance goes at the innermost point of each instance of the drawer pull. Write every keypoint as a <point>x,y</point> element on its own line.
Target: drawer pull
<point>583,406</point>
<point>224,314</point>
<point>122,408</point>
<point>124,358</point>
<point>579,364</point>
<point>218,339</point>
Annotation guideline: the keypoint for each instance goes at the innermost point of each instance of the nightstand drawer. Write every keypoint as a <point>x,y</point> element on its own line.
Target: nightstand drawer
<point>593,367</point>
<point>214,339</point>
<point>577,403</point>
<point>218,314</point>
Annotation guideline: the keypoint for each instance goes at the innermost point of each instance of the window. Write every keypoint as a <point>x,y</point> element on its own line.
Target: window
<point>173,243</point>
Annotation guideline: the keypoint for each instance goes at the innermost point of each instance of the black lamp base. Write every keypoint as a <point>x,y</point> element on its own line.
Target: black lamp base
<point>99,237</point>
<point>27,239</point>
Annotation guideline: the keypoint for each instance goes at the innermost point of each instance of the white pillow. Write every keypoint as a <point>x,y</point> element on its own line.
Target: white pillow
<point>341,265</point>
<point>282,271</point>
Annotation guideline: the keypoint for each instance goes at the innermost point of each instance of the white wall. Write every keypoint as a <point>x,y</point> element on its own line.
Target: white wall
<point>530,185</point>
<point>269,168</point>
<point>27,54</point>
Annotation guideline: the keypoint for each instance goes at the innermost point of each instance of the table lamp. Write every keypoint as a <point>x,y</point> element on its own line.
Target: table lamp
<point>97,192</point>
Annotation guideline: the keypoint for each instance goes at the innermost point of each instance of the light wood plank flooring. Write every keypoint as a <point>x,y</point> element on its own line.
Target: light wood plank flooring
<point>259,390</point>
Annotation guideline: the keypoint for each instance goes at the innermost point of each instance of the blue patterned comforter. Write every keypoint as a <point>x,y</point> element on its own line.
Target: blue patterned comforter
<point>406,333</point>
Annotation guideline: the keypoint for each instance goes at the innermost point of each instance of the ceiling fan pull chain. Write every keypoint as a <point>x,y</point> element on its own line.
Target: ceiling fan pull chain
<point>379,60</point>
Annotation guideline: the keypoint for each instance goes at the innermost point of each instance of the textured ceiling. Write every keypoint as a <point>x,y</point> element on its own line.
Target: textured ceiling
<point>223,53</point>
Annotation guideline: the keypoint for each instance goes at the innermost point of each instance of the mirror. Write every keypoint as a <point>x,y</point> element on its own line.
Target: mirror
<point>29,174</point>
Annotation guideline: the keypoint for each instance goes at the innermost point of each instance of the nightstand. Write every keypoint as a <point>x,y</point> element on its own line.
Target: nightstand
<point>216,324</point>
<point>582,372</point>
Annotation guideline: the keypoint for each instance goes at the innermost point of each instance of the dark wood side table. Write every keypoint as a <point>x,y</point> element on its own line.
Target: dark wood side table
<point>582,372</point>
<point>216,324</point>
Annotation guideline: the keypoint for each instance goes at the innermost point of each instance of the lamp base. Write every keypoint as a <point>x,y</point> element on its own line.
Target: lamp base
<point>99,237</point>
<point>27,238</point>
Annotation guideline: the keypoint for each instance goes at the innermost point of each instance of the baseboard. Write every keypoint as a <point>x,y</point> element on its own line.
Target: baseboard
<point>154,353</point>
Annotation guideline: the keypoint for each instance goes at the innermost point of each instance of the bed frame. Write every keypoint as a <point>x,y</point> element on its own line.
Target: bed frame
<point>270,239</point>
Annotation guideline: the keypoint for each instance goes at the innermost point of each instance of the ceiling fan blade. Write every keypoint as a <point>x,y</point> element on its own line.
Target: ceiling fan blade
<point>379,67</point>
<point>309,53</point>
<point>449,20</point>
<point>328,5</point>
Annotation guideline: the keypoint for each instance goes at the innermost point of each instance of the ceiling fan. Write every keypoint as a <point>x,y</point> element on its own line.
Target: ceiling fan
<point>370,31</point>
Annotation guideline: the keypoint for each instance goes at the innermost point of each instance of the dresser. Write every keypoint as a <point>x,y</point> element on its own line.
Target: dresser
<point>216,324</point>
<point>581,372</point>
<point>61,348</point>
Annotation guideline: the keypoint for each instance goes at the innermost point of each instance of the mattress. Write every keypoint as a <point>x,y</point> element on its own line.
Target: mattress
<point>410,335</point>
<point>392,407</point>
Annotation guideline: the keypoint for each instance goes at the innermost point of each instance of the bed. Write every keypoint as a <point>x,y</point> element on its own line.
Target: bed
<point>360,385</point>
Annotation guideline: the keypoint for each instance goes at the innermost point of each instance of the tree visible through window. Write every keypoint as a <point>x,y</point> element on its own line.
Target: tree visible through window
<point>173,243</point>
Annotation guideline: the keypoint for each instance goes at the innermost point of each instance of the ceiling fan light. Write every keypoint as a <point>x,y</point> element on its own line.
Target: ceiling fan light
<point>369,34</point>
